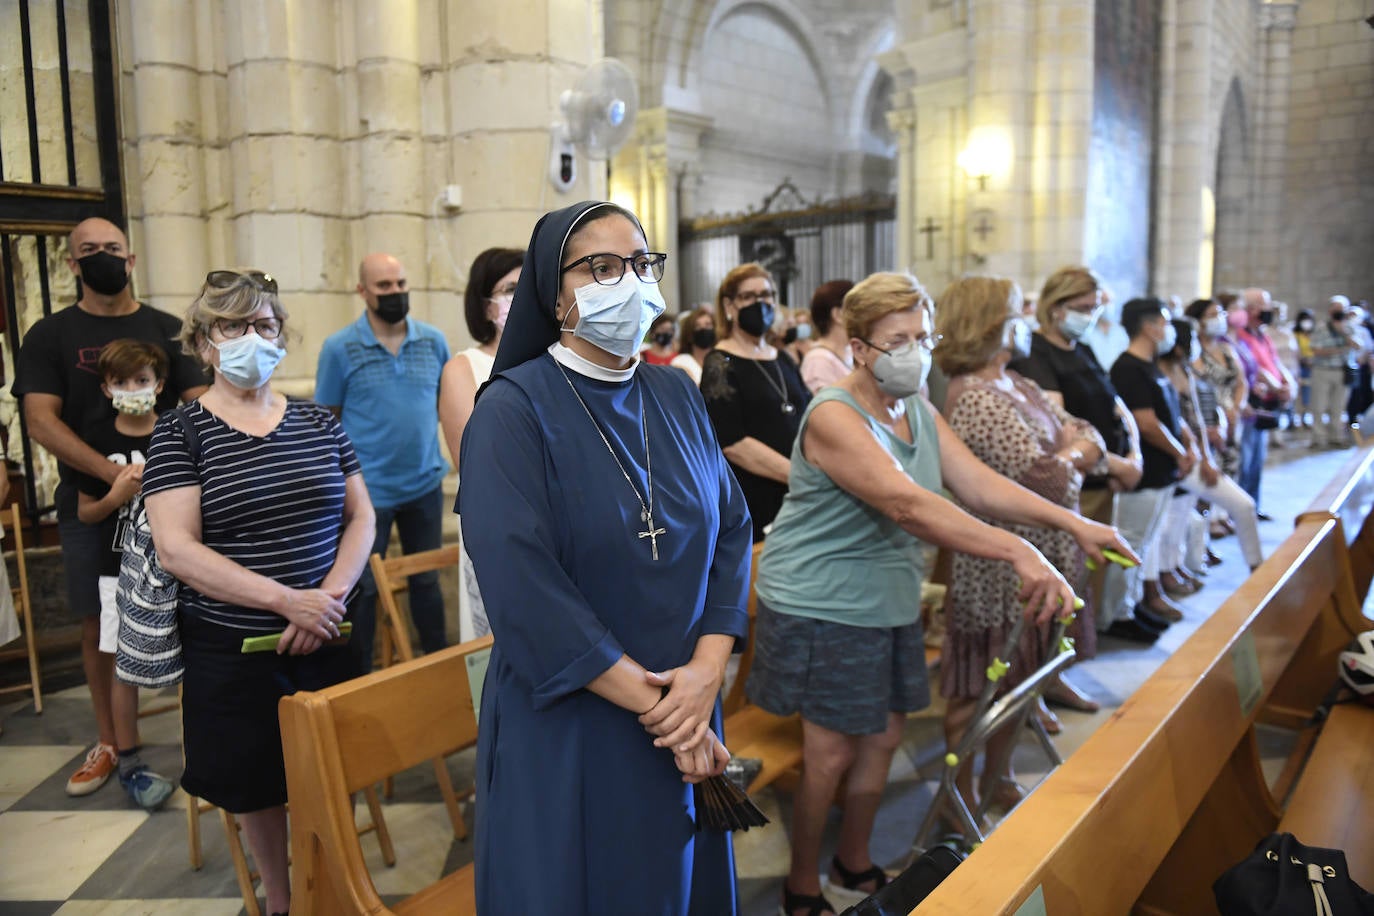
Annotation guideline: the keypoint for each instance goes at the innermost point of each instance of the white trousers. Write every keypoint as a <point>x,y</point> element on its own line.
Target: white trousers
<point>1238,505</point>
<point>1139,516</point>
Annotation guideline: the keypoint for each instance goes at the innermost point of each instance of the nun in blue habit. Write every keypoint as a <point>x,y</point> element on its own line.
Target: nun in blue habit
<point>612,546</point>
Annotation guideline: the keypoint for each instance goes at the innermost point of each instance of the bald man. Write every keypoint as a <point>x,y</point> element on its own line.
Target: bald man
<point>380,375</point>
<point>57,382</point>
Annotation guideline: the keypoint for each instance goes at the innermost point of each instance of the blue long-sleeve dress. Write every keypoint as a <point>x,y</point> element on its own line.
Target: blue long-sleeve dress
<point>577,811</point>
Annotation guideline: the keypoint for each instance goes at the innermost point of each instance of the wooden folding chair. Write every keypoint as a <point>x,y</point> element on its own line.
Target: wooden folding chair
<point>392,578</point>
<point>23,609</point>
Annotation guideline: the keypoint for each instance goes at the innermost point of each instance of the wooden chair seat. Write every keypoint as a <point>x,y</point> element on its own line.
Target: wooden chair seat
<point>455,893</point>
<point>1333,804</point>
<point>775,740</point>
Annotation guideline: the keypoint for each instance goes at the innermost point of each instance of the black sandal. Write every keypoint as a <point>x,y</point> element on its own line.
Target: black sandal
<point>815,906</point>
<point>850,880</point>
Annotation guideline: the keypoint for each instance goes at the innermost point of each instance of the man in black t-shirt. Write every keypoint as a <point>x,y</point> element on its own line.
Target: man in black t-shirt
<point>58,384</point>
<point>1169,453</point>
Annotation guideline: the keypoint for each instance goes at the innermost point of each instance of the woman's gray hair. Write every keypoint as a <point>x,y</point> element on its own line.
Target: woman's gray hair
<point>239,300</point>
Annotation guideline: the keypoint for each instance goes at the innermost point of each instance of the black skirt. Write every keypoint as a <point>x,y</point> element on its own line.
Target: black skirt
<point>229,713</point>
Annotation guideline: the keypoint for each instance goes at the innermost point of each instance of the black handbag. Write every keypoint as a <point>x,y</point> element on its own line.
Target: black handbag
<point>1282,877</point>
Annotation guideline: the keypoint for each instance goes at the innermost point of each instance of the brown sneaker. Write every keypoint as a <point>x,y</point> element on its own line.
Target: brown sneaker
<point>100,763</point>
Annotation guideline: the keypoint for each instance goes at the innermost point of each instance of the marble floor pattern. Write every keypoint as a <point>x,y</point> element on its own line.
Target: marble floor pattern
<point>99,856</point>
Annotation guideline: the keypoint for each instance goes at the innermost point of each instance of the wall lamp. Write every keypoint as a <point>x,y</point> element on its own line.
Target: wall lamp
<point>986,156</point>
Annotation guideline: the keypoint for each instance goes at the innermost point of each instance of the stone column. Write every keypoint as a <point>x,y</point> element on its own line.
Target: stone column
<point>1277,20</point>
<point>1187,148</point>
<point>165,146</point>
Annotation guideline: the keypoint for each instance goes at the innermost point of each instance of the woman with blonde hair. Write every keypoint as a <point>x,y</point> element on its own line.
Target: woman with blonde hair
<point>754,392</point>
<point>839,633</point>
<point>257,504</point>
<point>1013,428</point>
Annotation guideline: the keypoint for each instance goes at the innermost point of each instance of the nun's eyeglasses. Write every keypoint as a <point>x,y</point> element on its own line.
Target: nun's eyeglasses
<point>607,269</point>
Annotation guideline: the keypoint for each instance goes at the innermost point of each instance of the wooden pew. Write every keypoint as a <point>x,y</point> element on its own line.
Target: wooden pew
<point>1349,497</point>
<point>342,739</point>
<point>1333,805</point>
<point>1169,792</point>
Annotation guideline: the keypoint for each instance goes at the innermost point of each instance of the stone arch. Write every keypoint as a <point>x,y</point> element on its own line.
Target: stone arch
<point>875,85</point>
<point>1231,182</point>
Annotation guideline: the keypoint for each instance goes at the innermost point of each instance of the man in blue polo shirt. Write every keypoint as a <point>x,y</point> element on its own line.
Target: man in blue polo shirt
<point>380,375</point>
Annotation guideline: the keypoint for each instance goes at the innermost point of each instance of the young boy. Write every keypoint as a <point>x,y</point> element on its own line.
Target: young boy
<point>132,373</point>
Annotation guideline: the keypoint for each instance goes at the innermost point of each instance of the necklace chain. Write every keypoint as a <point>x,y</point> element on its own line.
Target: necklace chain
<point>646,510</point>
<point>779,384</point>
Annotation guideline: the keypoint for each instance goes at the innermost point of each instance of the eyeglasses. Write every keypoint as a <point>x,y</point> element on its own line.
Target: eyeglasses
<point>607,269</point>
<point>927,343</point>
<point>266,328</point>
<point>225,279</point>
<point>751,297</point>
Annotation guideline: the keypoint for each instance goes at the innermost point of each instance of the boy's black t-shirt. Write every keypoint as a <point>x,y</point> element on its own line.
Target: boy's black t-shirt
<point>59,357</point>
<point>1142,386</point>
<point>121,449</point>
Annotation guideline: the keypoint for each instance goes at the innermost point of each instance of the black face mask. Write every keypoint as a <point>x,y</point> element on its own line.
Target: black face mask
<point>664,338</point>
<point>393,307</point>
<point>704,338</point>
<point>1266,316</point>
<point>756,319</point>
<point>104,273</point>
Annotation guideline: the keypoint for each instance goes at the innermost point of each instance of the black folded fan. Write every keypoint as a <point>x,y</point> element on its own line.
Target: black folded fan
<point>722,805</point>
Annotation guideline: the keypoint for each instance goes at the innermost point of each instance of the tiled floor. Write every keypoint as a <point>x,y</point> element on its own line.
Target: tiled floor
<point>99,855</point>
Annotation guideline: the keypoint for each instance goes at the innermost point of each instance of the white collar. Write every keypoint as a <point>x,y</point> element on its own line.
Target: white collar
<point>583,366</point>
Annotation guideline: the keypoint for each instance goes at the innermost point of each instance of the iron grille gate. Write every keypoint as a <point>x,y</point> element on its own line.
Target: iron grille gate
<point>803,243</point>
<point>59,164</point>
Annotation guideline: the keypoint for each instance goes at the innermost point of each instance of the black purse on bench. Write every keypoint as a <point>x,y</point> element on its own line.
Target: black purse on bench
<point>1282,877</point>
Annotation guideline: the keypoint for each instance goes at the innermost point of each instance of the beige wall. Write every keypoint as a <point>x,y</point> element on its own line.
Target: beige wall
<point>1327,226</point>
<point>296,137</point>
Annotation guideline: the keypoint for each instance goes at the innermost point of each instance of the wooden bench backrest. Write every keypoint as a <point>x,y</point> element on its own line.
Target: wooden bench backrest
<point>1093,835</point>
<point>735,699</point>
<point>354,734</point>
<point>1349,497</point>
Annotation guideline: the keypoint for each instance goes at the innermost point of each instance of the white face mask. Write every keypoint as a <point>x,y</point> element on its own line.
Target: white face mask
<point>1170,338</point>
<point>902,372</point>
<point>1016,337</point>
<point>1216,326</point>
<point>135,403</point>
<point>248,361</point>
<point>616,318</point>
<point>1075,325</point>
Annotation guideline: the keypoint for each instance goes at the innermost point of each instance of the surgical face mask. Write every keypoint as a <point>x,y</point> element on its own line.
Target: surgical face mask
<point>704,338</point>
<point>1215,326</point>
<point>393,307</point>
<point>902,372</point>
<point>615,318</point>
<point>104,273</point>
<point>1238,319</point>
<point>1170,338</point>
<point>1305,326</point>
<point>248,361</point>
<point>502,310</point>
<point>1076,325</point>
<point>1016,337</point>
<point>756,319</point>
<point>802,332</point>
<point>134,403</point>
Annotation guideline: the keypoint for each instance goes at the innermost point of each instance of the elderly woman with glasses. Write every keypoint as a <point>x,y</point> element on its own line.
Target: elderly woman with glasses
<point>839,633</point>
<point>754,391</point>
<point>1036,446</point>
<point>256,503</point>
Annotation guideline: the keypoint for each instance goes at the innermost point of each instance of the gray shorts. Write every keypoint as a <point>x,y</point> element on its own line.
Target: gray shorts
<point>844,678</point>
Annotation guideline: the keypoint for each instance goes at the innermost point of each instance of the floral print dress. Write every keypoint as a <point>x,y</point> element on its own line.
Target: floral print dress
<point>1016,433</point>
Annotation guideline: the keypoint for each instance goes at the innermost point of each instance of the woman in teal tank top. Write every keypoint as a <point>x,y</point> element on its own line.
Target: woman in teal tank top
<point>839,581</point>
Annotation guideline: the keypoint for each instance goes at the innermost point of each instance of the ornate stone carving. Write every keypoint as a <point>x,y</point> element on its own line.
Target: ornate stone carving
<point>1278,16</point>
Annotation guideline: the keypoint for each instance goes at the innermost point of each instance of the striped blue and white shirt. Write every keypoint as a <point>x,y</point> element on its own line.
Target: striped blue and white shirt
<point>273,504</point>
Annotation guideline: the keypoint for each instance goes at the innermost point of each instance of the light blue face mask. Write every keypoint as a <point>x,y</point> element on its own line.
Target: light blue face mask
<point>1170,338</point>
<point>248,361</point>
<point>616,318</point>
